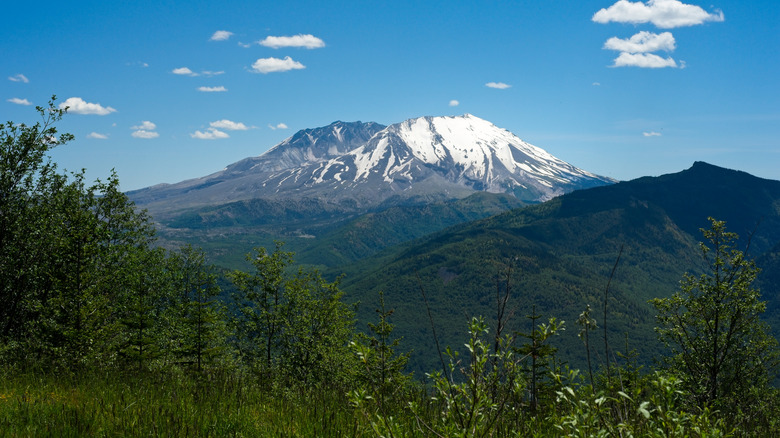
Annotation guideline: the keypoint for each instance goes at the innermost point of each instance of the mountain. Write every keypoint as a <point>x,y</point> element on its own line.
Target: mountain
<point>365,166</point>
<point>561,253</point>
<point>246,179</point>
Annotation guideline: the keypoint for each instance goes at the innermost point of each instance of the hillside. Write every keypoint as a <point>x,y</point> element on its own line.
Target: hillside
<point>321,234</point>
<point>561,253</point>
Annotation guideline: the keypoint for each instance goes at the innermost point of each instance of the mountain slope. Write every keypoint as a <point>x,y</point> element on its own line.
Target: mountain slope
<point>562,252</point>
<point>321,234</point>
<point>243,179</point>
<point>367,165</point>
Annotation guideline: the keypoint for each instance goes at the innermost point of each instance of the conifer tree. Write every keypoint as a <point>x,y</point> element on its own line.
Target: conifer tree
<point>201,334</point>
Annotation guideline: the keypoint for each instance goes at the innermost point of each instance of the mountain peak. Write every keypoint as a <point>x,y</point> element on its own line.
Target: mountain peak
<point>439,158</point>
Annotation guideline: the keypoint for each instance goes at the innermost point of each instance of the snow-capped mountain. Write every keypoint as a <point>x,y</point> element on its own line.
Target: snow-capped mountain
<point>367,164</point>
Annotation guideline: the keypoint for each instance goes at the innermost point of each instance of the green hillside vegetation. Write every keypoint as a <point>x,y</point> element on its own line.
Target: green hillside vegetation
<point>561,253</point>
<point>105,333</point>
<point>321,234</point>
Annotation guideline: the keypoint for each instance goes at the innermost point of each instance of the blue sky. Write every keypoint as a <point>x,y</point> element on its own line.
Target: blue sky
<point>170,90</point>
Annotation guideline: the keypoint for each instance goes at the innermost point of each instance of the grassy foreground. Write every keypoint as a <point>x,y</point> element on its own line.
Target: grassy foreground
<point>177,406</point>
<point>228,406</point>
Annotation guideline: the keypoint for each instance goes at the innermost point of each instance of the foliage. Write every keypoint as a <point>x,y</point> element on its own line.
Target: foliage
<point>657,410</point>
<point>721,349</point>
<point>292,324</point>
<point>541,355</point>
<point>199,335</point>
<point>26,178</point>
<point>380,379</point>
<point>491,385</point>
<point>142,316</point>
<point>381,368</point>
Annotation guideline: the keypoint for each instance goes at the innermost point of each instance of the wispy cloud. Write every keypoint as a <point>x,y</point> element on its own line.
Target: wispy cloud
<point>498,85</point>
<point>183,71</point>
<point>19,78</point>
<point>77,105</point>
<point>271,65</point>
<point>221,35</point>
<point>278,126</point>
<point>651,134</point>
<point>210,134</point>
<point>212,89</point>
<point>642,42</point>
<point>145,129</point>
<point>147,125</point>
<point>665,14</point>
<point>18,101</point>
<point>97,136</point>
<point>229,125</point>
<point>643,60</point>
<point>454,102</point>
<point>308,41</point>
<point>145,134</point>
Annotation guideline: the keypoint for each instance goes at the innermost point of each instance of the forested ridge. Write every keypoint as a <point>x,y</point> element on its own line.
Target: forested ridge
<point>104,333</point>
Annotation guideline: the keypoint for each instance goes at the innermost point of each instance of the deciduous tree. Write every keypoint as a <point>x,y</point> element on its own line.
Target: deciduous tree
<point>721,348</point>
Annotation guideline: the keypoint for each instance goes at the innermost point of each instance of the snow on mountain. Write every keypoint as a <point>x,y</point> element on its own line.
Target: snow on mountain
<point>466,151</point>
<point>368,164</point>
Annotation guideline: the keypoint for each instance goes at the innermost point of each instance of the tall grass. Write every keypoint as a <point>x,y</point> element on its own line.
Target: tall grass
<point>170,405</point>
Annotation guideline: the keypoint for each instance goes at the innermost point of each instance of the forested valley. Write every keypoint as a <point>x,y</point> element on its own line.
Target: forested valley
<point>105,333</point>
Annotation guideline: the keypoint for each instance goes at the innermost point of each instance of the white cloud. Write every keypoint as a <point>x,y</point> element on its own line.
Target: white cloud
<point>145,130</point>
<point>596,84</point>
<point>244,45</point>
<point>184,71</point>
<point>220,35</point>
<point>642,42</point>
<point>77,105</point>
<point>19,78</point>
<point>643,60</point>
<point>229,125</point>
<point>210,134</point>
<point>665,14</point>
<point>498,85</point>
<point>18,101</point>
<point>212,89</point>
<point>146,125</point>
<point>454,102</point>
<point>271,65</point>
<point>141,133</point>
<point>278,126</point>
<point>308,41</point>
<point>97,136</point>
<point>651,134</point>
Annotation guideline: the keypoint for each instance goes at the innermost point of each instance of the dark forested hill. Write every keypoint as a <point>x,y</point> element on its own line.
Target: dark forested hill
<point>561,254</point>
<point>321,234</point>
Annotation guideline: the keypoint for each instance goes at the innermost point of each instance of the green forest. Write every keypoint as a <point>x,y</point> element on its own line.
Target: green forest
<point>104,332</point>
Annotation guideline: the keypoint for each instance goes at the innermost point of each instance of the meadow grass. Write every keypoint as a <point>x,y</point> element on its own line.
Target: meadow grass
<point>170,405</point>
